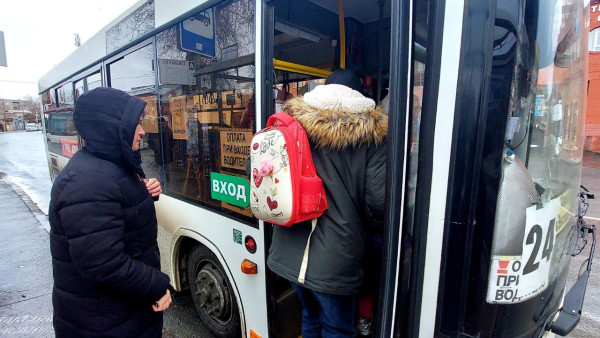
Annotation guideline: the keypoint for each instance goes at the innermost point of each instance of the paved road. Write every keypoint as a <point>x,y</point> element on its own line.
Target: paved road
<point>23,160</point>
<point>25,274</point>
<point>589,325</point>
<point>25,267</point>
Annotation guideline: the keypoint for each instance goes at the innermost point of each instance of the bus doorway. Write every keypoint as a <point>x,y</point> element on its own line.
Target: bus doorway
<point>307,41</point>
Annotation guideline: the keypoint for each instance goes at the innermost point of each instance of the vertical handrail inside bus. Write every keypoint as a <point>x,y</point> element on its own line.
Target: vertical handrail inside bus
<point>342,34</point>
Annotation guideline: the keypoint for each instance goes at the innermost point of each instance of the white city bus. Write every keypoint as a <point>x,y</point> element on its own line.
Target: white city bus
<point>486,108</point>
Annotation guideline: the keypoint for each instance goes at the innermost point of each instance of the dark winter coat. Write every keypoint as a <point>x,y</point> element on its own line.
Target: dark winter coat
<point>105,256</point>
<point>349,151</point>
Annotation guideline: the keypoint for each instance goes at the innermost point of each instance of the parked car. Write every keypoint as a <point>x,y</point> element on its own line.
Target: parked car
<point>31,127</point>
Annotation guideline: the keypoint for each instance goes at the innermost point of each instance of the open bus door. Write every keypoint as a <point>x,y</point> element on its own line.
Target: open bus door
<point>473,188</point>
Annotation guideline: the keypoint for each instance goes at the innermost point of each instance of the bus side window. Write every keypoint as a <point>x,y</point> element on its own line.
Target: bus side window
<point>210,109</point>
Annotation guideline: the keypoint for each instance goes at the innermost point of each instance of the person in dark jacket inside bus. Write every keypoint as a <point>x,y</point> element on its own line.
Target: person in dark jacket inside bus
<point>105,258</point>
<point>348,134</point>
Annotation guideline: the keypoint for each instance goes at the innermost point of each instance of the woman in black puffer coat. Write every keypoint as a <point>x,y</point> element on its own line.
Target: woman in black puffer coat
<point>105,256</point>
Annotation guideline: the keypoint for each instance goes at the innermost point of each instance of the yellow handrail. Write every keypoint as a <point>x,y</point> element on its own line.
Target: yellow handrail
<point>300,69</point>
<point>342,34</point>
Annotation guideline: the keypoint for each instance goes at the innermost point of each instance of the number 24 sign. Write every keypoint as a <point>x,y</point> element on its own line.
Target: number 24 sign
<point>514,279</point>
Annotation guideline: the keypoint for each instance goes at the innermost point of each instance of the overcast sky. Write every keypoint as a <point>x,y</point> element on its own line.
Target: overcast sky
<point>40,33</point>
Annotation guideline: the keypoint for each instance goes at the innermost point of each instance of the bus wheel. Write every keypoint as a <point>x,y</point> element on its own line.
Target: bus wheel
<point>212,293</point>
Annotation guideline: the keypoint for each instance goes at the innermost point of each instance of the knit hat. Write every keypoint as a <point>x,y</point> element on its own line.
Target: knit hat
<point>345,77</point>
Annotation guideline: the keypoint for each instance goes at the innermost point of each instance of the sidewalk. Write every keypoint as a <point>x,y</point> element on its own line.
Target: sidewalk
<point>25,274</point>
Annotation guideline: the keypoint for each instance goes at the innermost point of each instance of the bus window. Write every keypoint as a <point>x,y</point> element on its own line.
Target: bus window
<point>79,88</point>
<point>510,235</point>
<point>134,72</point>
<point>93,81</point>
<point>87,83</point>
<point>136,24</point>
<point>207,105</point>
<point>48,101</point>
<point>65,95</point>
<point>544,129</point>
<point>61,136</point>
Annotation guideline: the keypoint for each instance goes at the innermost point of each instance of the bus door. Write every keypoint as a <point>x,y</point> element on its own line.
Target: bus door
<point>306,41</point>
<point>483,242</point>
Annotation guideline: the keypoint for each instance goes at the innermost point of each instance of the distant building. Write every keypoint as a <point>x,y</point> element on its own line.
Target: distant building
<point>14,115</point>
<point>7,104</point>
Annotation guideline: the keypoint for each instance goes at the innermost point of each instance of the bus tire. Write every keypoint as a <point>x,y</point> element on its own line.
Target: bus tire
<point>212,293</point>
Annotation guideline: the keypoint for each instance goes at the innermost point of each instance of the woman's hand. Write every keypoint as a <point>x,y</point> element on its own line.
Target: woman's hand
<point>163,303</point>
<point>153,186</point>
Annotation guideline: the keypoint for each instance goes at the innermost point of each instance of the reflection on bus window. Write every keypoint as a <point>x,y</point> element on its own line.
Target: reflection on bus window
<point>79,88</point>
<point>93,81</point>
<point>206,99</point>
<point>134,72</point>
<point>61,135</point>
<point>545,60</point>
<point>48,101</point>
<point>138,23</point>
<point>88,83</point>
<point>65,95</point>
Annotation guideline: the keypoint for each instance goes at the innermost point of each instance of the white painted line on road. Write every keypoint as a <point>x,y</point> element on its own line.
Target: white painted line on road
<point>592,218</point>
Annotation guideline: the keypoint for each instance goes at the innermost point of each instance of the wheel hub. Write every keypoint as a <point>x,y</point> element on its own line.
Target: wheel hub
<point>214,296</point>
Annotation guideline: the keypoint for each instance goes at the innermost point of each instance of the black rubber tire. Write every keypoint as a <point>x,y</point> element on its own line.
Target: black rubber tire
<point>202,268</point>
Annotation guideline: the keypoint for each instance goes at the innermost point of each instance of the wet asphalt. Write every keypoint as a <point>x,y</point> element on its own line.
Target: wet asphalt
<point>25,264</point>
<point>25,268</point>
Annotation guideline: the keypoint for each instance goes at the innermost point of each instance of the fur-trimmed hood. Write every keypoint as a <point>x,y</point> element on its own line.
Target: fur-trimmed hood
<point>335,116</point>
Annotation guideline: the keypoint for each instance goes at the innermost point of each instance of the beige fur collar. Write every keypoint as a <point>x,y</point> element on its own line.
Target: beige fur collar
<point>339,128</point>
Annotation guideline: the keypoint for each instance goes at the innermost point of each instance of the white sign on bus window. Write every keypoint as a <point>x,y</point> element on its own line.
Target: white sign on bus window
<point>176,72</point>
<point>514,279</point>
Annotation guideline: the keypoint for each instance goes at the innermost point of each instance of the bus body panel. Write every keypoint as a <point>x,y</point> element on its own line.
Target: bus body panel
<point>450,60</point>
<point>182,220</point>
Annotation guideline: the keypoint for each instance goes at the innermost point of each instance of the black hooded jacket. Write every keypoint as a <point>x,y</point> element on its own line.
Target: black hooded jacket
<point>105,257</point>
<point>348,146</point>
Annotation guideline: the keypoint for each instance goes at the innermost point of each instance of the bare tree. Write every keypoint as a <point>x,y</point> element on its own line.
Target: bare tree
<point>138,23</point>
<point>34,105</point>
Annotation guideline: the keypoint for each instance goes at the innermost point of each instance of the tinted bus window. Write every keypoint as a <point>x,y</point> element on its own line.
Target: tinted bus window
<point>65,95</point>
<point>61,135</point>
<point>93,81</point>
<point>206,103</point>
<point>79,88</point>
<point>134,72</point>
<point>88,83</point>
<point>138,23</point>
